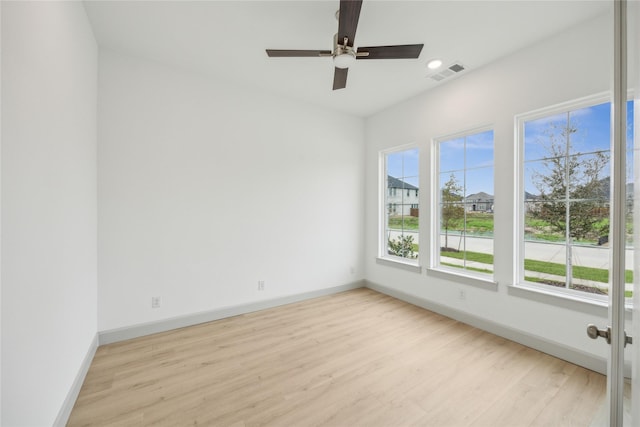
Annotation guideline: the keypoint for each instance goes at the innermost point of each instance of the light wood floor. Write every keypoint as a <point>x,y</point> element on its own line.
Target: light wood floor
<point>354,358</point>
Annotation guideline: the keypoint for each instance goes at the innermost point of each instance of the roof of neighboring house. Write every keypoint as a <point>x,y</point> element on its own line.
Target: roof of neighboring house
<point>481,196</point>
<point>397,183</point>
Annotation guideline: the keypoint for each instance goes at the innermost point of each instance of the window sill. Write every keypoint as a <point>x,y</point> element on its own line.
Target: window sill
<point>467,279</point>
<point>400,263</point>
<point>565,298</point>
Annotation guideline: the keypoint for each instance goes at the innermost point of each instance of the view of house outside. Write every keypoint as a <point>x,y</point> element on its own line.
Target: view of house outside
<point>565,206</point>
<point>401,203</point>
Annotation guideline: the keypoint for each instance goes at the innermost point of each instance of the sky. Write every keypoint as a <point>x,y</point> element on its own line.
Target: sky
<point>591,133</point>
<point>475,152</point>
<point>404,165</point>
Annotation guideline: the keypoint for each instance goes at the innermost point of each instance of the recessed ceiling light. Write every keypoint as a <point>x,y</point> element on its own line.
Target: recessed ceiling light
<point>434,64</point>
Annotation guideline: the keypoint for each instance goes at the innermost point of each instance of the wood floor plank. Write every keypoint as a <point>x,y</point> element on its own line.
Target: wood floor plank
<point>354,358</point>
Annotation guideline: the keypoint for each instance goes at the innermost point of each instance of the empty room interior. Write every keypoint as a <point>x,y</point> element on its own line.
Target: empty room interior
<point>205,221</point>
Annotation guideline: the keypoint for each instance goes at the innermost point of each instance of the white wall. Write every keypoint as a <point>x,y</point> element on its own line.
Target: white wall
<point>205,188</point>
<point>49,279</point>
<point>572,65</point>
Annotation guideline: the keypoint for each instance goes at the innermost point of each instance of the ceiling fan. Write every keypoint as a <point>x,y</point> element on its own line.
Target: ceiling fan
<point>343,52</point>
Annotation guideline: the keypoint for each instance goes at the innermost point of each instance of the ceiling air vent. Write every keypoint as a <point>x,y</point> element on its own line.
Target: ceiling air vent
<point>451,70</point>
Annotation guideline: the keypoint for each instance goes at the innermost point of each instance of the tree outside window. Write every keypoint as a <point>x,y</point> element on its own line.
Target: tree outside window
<point>566,200</point>
<point>466,202</point>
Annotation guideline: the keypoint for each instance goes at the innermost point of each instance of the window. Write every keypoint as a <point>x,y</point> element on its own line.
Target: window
<point>464,218</point>
<point>565,198</point>
<point>400,210</point>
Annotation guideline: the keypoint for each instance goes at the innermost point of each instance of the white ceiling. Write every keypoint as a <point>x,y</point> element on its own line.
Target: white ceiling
<point>227,40</point>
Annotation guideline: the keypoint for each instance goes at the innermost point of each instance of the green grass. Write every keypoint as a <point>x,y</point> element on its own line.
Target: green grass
<point>535,223</point>
<point>546,267</point>
<point>539,229</point>
<point>403,222</point>
<point>479,222</point>
<point>547,237</point>
<point>476,222</point>
<point>470,256</point>
<point>482,223</point>
<point>579,272</point>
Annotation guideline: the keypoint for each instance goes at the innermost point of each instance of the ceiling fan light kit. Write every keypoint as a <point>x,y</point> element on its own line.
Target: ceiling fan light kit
<point>344,54</point>
<point>344,59</point>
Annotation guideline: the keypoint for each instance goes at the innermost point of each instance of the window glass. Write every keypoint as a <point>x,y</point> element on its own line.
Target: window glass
<point>466,203</point>
<point>401,213</point>
<point>566,201</point>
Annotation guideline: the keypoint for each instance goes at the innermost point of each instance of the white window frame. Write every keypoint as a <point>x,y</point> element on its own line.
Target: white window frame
<point>519,211</point>
<point>435,268</point>
<point>383,256</point>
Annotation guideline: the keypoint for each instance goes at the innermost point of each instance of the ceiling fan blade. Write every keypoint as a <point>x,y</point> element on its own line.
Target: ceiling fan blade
<point>348,20</point>
<point>340,78</point>
<point>405,51</point>
<point>287,53</point>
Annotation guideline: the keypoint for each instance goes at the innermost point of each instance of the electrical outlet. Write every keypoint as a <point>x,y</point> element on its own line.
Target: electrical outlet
<point>462,294</point>
<point>352,270</point>
<point>156,302</point>
<point>261,285</point>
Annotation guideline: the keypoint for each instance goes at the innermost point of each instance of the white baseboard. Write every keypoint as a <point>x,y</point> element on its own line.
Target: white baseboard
<point>70,400</point>
<point>558,350</point>
<point>135,331</point>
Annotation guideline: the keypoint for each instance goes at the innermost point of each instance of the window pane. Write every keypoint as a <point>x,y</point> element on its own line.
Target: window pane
<point>589,176</point>
<point>410,166</point>
<point>402,244</point>
<point>401,204</point>
<point>451,187</point>
<point>589,129</point>
<point>394,218</point>
<point>452,155</point>
<point>394,164</point>
<point>478,223</point>
<point>451,210</point>
<point>479,188</point>
<point>551,217</point>
<point>409,221</point>
<point>535,228</point>
<point>566,206</point>
<point>541,134</point>
<point>533,173</point>
<point>466,203</point>
<point>590,268</point>
<point>479,150</point>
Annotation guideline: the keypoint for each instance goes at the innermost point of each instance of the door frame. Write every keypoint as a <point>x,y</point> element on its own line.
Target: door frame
<point>615,362</point>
